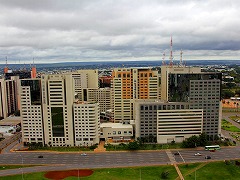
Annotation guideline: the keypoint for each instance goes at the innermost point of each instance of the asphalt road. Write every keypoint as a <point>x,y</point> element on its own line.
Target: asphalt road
<point>64,161</point>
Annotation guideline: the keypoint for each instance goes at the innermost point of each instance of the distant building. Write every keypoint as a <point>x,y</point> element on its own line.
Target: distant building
<point>105,81</point>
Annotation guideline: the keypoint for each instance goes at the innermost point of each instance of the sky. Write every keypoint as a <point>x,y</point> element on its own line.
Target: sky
<point>51,31</point>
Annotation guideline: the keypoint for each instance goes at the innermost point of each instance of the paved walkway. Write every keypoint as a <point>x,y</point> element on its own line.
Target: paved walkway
<point>100,147</point>
<point>174,163</point>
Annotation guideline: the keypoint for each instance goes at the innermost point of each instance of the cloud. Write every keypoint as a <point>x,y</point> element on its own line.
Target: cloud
<point>55,30</point>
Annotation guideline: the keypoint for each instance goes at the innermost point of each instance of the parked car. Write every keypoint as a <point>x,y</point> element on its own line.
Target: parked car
<point>197,154</point>
<point>176,153</point>
<point>207,157</point>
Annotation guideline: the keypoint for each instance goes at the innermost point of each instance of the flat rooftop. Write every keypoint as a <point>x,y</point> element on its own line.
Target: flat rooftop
<point>115,125</point>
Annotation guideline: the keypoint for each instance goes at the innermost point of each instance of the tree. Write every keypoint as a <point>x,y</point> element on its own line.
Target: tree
<point>164,174</point>
<point>133,145</point>
<point>226,94</point>
<point>203,139</point>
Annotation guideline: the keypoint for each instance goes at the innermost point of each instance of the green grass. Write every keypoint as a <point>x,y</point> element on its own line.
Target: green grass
<point>31,176</point>
<point>213,171</point>
<point>146,173</point>
<point>229,127</point>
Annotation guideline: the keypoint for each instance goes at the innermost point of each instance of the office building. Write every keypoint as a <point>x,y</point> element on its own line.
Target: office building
<point>129,84</point>
<point>166,121</point>
<point>86,123</point>
<point>31,111</point>
<point>201,89</point>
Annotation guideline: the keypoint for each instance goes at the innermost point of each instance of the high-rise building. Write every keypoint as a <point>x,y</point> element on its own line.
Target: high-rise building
<point>31,111</point>
<point>58,98</point>
<point>53,114</point>
<point>129,84</point>
<point>9,96</point>
<point>201,89</point>
<point>86,123</point>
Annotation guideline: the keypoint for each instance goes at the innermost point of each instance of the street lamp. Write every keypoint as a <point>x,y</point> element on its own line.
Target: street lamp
<point>22,166</point>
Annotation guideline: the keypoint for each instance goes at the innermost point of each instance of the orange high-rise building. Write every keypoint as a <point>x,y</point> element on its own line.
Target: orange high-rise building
<point>129,84</point>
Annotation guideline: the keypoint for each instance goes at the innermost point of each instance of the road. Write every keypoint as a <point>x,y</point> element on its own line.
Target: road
<point>64,161</point>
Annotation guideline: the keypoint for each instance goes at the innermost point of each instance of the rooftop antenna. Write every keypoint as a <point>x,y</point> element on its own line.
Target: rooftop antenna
<point>171,55</point>
<point>181,62</point>
<point>163,59</point>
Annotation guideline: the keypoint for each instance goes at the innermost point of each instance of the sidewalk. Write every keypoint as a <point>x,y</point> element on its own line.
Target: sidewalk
<point>100,147</point>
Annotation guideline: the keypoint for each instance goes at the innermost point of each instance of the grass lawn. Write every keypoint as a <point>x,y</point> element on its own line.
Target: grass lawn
<point>146,173</point>
<point>229,127</point>
<point>213,171</point>
<point>31,176</point>
<point>208,170</point>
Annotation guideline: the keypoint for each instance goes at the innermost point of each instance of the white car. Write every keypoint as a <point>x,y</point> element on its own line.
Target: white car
<point>197,154</point>
<point>83,154</point>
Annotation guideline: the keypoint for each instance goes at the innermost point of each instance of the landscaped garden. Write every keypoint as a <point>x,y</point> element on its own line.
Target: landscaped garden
<point>229,126</point>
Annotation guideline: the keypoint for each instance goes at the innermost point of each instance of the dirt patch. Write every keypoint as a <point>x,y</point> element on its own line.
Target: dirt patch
<point>57,175</point>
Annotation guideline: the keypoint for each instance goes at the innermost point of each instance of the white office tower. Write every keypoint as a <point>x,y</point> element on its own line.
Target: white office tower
<point>86,123</point>
<point>31,111</point>
<point>58,98</point>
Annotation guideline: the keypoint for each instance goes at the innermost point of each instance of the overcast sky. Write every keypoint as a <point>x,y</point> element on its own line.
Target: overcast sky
<point>104,30</point>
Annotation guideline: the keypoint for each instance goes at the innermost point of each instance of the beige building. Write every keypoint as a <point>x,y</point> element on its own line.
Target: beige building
<point>58,98</point>
<point>9,96</point>
<point>31,111</point>
<point>86,123</point>
<point>56,118</point>
<point>116,132</point>
<point>129,84</point>
<point>100,95</point>
<point>177,125</point>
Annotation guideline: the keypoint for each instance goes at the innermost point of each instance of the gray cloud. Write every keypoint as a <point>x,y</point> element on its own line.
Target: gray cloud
<point>55,30</point>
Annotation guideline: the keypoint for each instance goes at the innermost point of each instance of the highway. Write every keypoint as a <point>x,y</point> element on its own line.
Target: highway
<point>63,161</point>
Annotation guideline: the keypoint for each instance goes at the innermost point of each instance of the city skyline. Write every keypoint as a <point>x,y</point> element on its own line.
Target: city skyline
<point>57,31</point>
